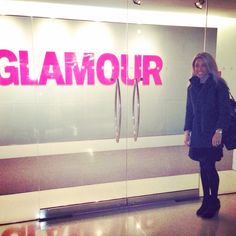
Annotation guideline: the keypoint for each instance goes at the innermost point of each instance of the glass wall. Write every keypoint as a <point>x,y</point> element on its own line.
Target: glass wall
<point>93,102</point>
<point>19,173</point>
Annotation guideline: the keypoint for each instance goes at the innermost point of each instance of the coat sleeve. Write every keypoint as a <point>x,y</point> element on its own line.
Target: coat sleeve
<point>189,112</point>
<point>224,106</point>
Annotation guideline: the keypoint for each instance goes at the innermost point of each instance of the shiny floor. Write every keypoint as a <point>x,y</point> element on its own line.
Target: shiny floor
<point>168,219</point>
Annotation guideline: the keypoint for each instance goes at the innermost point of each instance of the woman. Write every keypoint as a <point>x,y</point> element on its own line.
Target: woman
<point>207,117</point>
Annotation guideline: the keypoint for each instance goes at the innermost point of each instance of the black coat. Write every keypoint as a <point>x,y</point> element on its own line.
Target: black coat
<point>207,109</point>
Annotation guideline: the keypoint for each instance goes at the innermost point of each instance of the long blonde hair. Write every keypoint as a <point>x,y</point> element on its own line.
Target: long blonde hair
<point>210,63</point>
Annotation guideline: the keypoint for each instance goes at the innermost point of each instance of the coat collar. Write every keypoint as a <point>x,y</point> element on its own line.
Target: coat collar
<point>195,82</point>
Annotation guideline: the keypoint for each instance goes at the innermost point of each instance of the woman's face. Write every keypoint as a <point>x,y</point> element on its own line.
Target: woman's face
<point>200,68</point>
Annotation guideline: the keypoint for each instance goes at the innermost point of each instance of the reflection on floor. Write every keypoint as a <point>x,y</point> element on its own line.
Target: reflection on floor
<point>166,220</point>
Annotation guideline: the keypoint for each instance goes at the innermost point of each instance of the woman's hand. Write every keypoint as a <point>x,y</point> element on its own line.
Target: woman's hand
<point>187,138</point>
<point>217,138</point>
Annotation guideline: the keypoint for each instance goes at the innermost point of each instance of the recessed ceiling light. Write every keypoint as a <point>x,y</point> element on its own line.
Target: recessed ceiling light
<point>199,4</point>
<point>138,2</point>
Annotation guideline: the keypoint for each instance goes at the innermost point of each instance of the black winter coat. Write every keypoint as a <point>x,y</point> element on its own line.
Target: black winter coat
<point>207,109</point>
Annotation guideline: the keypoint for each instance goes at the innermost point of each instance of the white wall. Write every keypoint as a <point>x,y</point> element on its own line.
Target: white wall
<point>225,54</point>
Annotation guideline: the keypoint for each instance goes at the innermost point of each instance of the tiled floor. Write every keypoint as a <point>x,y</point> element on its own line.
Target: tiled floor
<point>169,219</point>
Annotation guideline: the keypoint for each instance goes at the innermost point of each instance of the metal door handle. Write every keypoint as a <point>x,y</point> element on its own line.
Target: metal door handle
<point>117,111</point>
<point>136,109</point>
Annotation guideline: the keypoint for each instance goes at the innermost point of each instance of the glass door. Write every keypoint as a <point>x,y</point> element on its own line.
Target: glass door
<point>162,41</point>
<point>81,104</point>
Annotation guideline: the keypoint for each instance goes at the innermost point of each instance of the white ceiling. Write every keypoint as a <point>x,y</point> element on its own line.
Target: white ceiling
<point>226,8</point>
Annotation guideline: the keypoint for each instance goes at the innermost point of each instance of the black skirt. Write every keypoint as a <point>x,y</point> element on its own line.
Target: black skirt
<point>201,154</point>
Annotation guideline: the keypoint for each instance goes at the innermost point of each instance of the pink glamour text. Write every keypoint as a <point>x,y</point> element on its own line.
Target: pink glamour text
<point>14,69</point>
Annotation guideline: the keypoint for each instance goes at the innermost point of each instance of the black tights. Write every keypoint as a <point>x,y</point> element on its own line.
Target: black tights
<point>210,179</point>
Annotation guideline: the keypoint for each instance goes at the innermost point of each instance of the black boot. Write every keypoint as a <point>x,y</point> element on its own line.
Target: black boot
<point>212,210</point>
<point>204,206</point>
